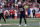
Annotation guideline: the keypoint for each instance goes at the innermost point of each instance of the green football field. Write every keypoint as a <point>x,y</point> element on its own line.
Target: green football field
<point>31,22</point>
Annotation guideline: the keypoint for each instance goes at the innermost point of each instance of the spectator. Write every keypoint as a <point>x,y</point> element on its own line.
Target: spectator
<point>36,9</point>
<point>10,11</point>
<point>9,5</point>
<point>7,14</point>
<point>3,4</point>
<point>13,14</point>
<point>6,5</point>
<point>26,6</point>
<point>13,5</point>
<point>5,1</point>
<point>33,13</point>
<point>28,12</point>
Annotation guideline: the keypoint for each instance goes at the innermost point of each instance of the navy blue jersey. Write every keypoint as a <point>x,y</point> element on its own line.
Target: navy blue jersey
<point>21,9</point>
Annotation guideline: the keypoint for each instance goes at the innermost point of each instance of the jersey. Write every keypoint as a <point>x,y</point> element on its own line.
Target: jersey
<point>21,9</point>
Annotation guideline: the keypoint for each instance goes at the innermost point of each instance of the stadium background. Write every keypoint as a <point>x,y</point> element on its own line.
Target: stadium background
<point>32,22</point>
<point>8,4</point>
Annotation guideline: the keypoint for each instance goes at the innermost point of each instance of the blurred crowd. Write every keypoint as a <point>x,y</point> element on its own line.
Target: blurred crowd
<point>10,7</point>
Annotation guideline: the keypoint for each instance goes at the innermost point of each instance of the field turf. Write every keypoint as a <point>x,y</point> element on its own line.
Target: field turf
<point>31,22</point>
